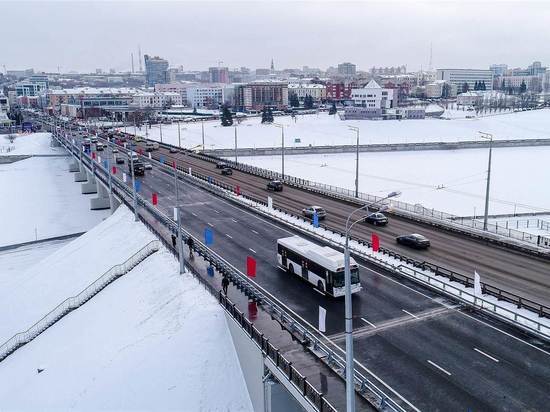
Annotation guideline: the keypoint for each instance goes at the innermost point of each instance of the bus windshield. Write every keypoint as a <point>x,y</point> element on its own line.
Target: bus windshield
<point>338,278</point>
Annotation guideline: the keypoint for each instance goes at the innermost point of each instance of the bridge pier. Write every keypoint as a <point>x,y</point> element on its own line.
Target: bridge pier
<point>103,200</point>
<point>80,176</point>
<point>74,166</point>
<point>90,186</point>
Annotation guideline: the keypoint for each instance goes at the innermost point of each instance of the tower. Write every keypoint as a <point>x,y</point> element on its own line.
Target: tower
<point>140,66</point>
<point>430,65</point>
<point>272,65</point>
<point>132,55</point>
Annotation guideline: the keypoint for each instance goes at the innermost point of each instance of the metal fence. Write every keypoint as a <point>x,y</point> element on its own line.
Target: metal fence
<point>416,210</point>
<point>309,336</point>
<point>74,302</point>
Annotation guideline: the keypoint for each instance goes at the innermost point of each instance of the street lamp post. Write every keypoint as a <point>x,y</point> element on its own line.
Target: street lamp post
<point>282,127</point>
<point>160,128</point>
<point>489,137</point>
<point>356,130</point>
<point>202,127</point>
<point>178,215</point>
<point>133,184</point>
<point>350,385</point>
<point>179,134</point>
<point>235,144</point>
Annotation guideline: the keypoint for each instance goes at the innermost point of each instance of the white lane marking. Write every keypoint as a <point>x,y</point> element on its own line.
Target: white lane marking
<point>409,313</point>
<point>487,355</point>
<point>252,250</point>
<point>366,321</point>
<point>253,231</point>
<point>194,214</point>
<point>229,236</point>
<point>216,211</point>
<point>210,224</point>
<point>234,220</point>
<point>439,367</point>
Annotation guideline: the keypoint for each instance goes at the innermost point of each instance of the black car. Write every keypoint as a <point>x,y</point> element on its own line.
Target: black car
<point>139,168</point>
<point>275,185</point>
<point>312,210</point>
<point>227,171</point>
<point>221,165</point>
<point>377,219</point>
<point>119,160</point>
<point>414,240</point>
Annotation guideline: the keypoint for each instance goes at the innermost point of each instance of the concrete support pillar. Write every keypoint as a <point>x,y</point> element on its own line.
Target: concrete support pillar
<point>74,166</point>
<point>115,203</point>
<point>102,201</point>
<point>90,186</point>
<point>80,176</point>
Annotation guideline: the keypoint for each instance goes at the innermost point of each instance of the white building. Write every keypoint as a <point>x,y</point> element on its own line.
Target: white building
<point>480,97</point>
<point>460,76</point>
<point>373,96</point>
<point>157,99</point>
<point>435,89</point>
<point>317,91</point>
<point>205,96</point>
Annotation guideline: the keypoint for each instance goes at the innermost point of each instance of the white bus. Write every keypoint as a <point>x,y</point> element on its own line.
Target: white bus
<point>321,266</point>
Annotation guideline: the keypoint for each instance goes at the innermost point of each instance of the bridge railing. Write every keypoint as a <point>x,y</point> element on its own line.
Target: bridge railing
<point>309,336</point>
<point>73,302</point>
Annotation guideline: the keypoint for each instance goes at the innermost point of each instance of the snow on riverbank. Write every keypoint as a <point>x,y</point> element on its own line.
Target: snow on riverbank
<point>323,129</point>
<point>68,271</point>
<point>452,180</point>
<point>152,340</point>
<point>40,199</point>
<point>29,144</point>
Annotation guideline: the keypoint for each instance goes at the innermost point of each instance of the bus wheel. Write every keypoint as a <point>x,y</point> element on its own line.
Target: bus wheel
<point>290,269</point>
<point>320,287</point>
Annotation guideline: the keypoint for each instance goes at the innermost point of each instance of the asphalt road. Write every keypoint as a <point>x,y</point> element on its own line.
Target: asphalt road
<point>433,352</point>
<point>516,272</point>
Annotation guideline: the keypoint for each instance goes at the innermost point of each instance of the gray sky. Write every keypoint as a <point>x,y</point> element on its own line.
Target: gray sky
<point>84,36</point>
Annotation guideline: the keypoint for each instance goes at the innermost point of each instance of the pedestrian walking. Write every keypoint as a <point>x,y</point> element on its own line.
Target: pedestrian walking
<point>225,284</point>
<point>190,243</point>
<point>173,241</point>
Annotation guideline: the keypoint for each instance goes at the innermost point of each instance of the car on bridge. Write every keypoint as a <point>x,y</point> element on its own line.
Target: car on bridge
<point>310,211</point>
<point>119,160</point>
<point>99,146</point>
<point>150,146</point>
<point>221,165</point>
<point>173,149</point>
<point>148,166</point>
<point>227,171</point>
<point>377,219</point>
<point>414,240</point>
<point>275,185</point>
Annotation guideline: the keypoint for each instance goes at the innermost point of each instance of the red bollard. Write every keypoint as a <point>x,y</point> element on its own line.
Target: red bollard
<point>155,199</point>
<point>375,242</point>
<point>250,266</point>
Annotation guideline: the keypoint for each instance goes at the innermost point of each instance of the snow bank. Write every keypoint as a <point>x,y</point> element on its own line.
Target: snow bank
<point>152,340</point>
<point>29,144</point>
<point>40,199</point>
<point>323,129</point>
<point>68,271</point>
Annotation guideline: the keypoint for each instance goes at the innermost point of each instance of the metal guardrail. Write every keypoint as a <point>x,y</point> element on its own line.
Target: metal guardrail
<point>76,301</point>
<point>309,337</point>
<point>444,218</point>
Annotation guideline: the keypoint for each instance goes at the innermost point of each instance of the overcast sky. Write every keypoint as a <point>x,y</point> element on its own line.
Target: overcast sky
<point>83,36</point>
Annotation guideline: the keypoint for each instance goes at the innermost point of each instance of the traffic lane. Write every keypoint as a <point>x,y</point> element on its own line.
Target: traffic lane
<point>238,234</point>
<point>460,359</point>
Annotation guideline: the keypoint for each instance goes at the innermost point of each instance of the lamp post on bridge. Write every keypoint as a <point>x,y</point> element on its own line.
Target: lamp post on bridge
<point>282,127</point>
<point>356,130</point>
<point>350,384</point>
<point>487,136</point>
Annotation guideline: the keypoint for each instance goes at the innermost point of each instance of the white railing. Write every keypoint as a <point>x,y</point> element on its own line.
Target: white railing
<point>74,302</point>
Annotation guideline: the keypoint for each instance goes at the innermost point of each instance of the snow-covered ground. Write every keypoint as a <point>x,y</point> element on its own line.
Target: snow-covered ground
<point>451,181</point>
<point>17,261</point>
<point>152,340</point>
<point>537,225</point>
<point>39,196</point>
<point>323,129</point>
<point>29,144</point>
<point>66,272</point>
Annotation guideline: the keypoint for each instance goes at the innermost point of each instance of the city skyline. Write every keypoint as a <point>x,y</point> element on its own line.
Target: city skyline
<point>337,32</point>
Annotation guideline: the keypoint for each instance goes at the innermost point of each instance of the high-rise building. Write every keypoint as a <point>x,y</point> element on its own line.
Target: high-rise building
<point>218,74</point>
<point>470,76</point>
<point>156,70</point>
<point>498,69</point>
<point>346,69</point>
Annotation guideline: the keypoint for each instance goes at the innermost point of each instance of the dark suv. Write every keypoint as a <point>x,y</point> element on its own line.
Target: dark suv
<point>227,171</point>
<point>275,185</point>
<point>377,219</point>
<point>414,240</point>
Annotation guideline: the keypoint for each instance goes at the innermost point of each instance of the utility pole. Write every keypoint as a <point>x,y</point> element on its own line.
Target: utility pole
<point>178,216</point>
<point>202,126</point>
<point>356,129</point>
<point>489,137</point>
<point>134,184</point>
<point>282,127</point>
<point>179,134</point>
<point>160,126</point>
<point>235,145</point>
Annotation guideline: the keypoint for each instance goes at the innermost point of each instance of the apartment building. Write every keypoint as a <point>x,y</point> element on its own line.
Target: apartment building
<point>257,95</point>
<point>471,76</point>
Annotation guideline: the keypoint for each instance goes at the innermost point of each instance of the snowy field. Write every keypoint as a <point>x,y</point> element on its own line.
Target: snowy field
<point>451,181</point>
<point>39,196</point>
<point>17,261</point>
<point>323,129</point>
<point>152,340</point>
<point>29,144</point>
